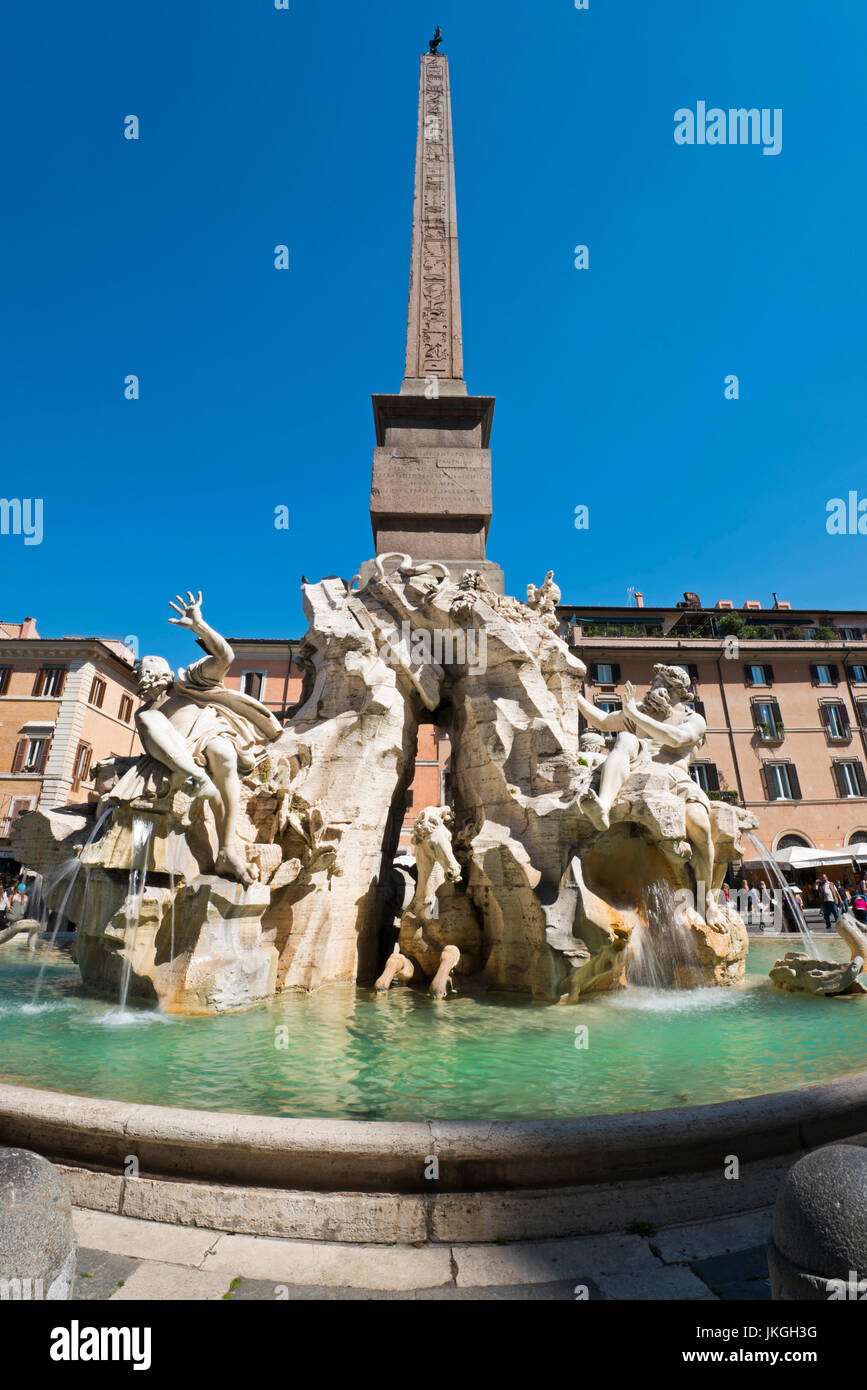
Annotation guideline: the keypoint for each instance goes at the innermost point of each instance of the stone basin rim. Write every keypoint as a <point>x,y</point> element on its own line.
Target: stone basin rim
<point>330,1155</point>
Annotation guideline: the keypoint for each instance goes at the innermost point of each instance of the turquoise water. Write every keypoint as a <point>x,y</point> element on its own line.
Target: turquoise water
<point>353,1056</point>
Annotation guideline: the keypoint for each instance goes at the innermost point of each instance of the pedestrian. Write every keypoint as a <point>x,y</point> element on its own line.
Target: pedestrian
<point>859,906</point>
<point>830,899</point>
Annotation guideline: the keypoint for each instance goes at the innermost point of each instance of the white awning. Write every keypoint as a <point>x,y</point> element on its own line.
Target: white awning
<point>805,857</point>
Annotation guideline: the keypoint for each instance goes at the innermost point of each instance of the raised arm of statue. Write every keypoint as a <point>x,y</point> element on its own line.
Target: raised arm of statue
<point>686,735</point>
<point>220,654</point>
<point>597,717</point>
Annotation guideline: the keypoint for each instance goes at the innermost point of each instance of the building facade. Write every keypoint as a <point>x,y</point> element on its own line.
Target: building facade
<point>64,704</point>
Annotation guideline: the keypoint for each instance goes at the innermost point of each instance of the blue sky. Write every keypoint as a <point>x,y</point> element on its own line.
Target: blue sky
<point>261,127</point>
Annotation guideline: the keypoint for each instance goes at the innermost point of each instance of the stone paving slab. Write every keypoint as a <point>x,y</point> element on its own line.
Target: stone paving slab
<point>129,1259</point>
<point>564,1291</point>
<point>144,1240</point>
<point>739,1275</point>
<point>387,1267</point>
<point>703,1240</point>
<point>100,1274</point>
<point>157,1282</point>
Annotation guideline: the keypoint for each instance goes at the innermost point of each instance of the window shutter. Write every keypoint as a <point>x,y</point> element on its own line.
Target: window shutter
<point>4,679</point>
<point>835,675</point>
<point>766,786</point>
<point>698,706</point>
<point>844,718</point>
<point>594,673</point>
<point>825,718</point>
<point>748,680</point>
<point>769,675</point>
<point>39,682</point>
<point>43,756</point>
<point>862,781</point>
<point>61,683</point>
<point>712,777</point>
<point>814,674</point>
<point>757,719</point>
<point>615,672</point>
<point>838,778</point>
<point>20,754</point>
<point>693,671</point>
<point>794,781</point>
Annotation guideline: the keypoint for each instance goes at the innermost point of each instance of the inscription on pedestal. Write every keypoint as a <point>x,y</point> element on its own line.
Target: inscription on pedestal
<point>432,482</point>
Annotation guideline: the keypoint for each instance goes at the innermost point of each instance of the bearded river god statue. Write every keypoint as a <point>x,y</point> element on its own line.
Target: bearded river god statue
<point>238,857</point>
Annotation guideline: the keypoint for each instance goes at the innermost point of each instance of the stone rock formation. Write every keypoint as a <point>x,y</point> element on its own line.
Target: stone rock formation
<point>799,973</point>
<point>257,859</point>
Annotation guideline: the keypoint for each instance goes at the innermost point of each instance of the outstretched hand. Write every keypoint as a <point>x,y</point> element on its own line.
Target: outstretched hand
<point>629,697</point>
<point>190,611</point>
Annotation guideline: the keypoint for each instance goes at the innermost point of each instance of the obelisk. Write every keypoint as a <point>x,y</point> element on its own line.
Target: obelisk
<point>431,491</point>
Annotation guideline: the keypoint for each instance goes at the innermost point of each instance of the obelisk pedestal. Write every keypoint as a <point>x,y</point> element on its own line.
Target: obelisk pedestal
<point>431,490</point>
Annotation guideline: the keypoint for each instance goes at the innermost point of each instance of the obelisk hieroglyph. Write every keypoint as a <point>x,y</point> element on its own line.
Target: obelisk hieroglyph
<point>431,490</point>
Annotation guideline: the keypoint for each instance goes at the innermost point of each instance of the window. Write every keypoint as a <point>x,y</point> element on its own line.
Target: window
<point>859,676</point>
<point>781,782</point>
<point>20,806</point>
<point>97,692</point>
<point>824,675</point>
<point>759,675</point>
<point>850,634</point>
<point>693,672</point>
<point>767,720</point>
<point>5,673</point>
<point>698,706</point>
<point>849,777</point>
<point>858,837</point>
<point>31,754</point>
<point>253,684</point>
<point>50,681</point>
<point>793,841</point>
<point>125,711</point>
<point>81,766</point>
<point>706,775</point>
<point>836,722</point>
<point>605,673</point>
<point>608,703</point>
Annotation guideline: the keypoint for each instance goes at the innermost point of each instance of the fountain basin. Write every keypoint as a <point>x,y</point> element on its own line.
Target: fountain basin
<point>366,1182</point>
<point>498,1072</point>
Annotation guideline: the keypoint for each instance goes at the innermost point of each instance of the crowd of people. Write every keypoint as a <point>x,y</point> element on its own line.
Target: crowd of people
<point>14,897</point>
<point>758,903</point>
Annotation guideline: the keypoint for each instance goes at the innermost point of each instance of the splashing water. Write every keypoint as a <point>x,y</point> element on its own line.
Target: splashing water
<point>662,949</point>
<point>142,834</point>
<point>772,869</point>
<point>71,871</point>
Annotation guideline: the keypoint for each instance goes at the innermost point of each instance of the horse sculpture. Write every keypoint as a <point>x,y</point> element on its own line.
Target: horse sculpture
<point>439,931</point>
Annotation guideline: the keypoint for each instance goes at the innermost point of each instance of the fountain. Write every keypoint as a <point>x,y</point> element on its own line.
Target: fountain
<point>242,858</point>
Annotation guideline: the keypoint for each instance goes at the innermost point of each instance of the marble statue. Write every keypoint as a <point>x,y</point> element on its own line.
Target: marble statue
<point>664,731</point>
<point>202,734</point>
<point>238,858</point>
<point>800,973</point>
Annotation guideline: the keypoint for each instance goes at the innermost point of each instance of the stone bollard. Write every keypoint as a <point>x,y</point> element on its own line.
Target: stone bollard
<point>38,1245</point>
<point>818,1249</point>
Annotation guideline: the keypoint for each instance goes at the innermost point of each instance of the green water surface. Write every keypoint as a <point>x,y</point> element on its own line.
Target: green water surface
<point>403,1057</point>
